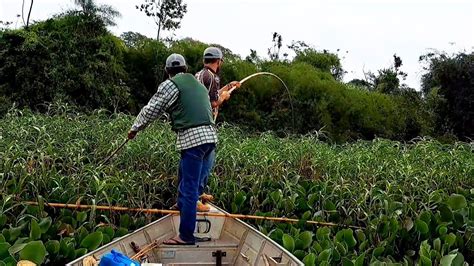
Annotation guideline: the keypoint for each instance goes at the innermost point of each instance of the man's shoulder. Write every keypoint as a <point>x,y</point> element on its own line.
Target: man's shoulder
<point>168,84</point>
<point>206,73</point>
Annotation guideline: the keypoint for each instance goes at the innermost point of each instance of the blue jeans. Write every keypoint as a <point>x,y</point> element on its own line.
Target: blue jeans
<point>206,171</point>
<point>192,168</point>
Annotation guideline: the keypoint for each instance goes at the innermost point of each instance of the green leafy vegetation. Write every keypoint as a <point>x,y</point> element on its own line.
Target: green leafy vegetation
<point>415,200</point>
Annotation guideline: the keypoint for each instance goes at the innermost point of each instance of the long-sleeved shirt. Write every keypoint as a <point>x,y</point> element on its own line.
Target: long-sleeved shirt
<point>165,96</point>
<point>211,81</point>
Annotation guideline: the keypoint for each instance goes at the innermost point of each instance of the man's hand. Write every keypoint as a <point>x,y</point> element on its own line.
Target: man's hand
<point>235,84</point>
<point>229,86</point>
<point>132,134</point>
<point>225,95</point>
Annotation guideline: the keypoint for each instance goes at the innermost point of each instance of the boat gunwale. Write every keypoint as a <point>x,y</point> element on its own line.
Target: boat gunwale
<point>169,216</point>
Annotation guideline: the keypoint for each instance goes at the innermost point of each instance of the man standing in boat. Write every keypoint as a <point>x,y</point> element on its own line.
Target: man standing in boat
<point>209,77</point>
<point>187,102</point>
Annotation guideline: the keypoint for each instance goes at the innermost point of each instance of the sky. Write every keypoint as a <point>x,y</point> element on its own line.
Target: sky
<point>370,30</point>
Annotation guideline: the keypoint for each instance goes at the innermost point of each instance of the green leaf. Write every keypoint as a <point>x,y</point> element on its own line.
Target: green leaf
<point>421,226</point>
<point>52,246</point>
<point>63,248</point>
<point>34,251</point>
<point>71,251</point>
<point>306,215</point>
<point>450,239</point>
<point>312,198</point>
<point>288,242</point>
<point>360,260</point>
<point>22,240</point>
<point>360,235</point>
<point>299,254</point>
<point>45,224</point>
<point>109,231</point>
<point>347,262</point>
<point>125,220</point>
<point>81,217</point>
<point>10,261</point>
<point>121,232</point>
<point>447,260</point>
<point>336,256</point>
<point>457,201</point>
<point>340,236</point>
<point>349,238</point>
<point>329,206</point>
<point>3,220</point>
<point>35,230</point>
<point>443,230</point>
<point>317,247</point>
<point>4,250</point>
<point>378,252</point>
<point>2,238</point>
<point>424,261</point>
<point>82,234</point>
<point>446,213</point>
<point>92,241</point>
<point>240,199</point>
<point>394,226</point>
<point>16,248</point>
<point>307,238</point>
<point>341,249</point>
<point>425,249</point>
<point>106,239</point>
<point>276,196</point>
<point>425,216</point>
<point>459,260</point>
<point>364,245</point>
<point>234,207</point>
<point>323,233</point>
<point>80,252</point>
<point>14,233</point>
<point>324,256</point>
<point>437,244</point>
<point>310,259</point>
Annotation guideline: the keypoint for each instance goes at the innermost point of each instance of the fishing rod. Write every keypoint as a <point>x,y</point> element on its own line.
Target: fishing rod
<point>115,152</point>
<point>266,74</point>
<point>215,115</point>
<point>206,214</point>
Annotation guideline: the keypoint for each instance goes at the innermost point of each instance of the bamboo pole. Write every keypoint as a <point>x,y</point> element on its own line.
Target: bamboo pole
<point>205,214</point>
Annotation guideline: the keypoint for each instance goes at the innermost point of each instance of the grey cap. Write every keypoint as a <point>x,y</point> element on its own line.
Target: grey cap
<point>175,60</point>
<point>213,53</point>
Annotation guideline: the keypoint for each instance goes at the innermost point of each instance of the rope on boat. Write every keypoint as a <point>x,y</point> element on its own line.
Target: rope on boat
<point>205,214</point>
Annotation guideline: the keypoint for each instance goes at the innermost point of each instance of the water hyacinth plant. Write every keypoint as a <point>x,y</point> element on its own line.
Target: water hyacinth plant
<point>415,200</point>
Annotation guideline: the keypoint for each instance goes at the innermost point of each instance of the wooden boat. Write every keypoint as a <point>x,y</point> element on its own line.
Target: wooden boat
<point>229,242</point>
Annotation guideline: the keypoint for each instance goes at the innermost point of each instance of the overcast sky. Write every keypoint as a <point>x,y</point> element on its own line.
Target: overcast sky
<point>371,30</point>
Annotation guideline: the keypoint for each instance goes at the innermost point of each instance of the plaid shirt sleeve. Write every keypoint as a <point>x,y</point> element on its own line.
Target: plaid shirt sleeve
<point>162,100</point>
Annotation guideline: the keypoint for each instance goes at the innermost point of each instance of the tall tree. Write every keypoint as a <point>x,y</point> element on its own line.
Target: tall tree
<point>27,22</point>
<point>388,80</point>
<point>167,14</point>
<point>106,12</point>
<point>449,83</point>
<point>274,51</point>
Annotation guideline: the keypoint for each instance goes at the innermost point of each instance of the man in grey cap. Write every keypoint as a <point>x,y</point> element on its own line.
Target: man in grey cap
<point>187,102</point>
<point>209,77</point>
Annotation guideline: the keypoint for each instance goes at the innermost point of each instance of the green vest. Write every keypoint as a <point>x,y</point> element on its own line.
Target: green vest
<point>192,108</point>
